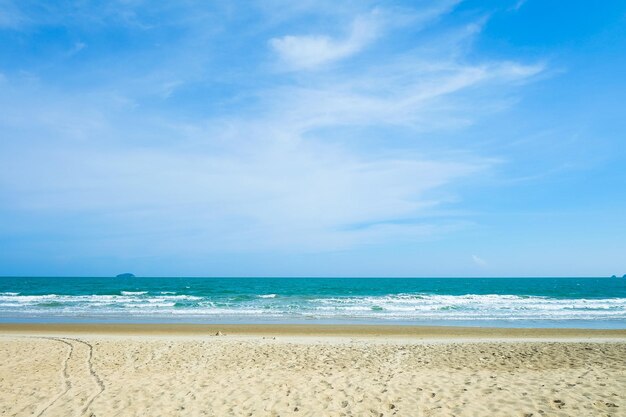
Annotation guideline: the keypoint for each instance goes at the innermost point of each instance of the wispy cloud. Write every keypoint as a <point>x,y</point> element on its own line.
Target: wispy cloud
<point>312,51</point>
<point>479,261</point>
<point>225,160</point>
<point>518,5</point>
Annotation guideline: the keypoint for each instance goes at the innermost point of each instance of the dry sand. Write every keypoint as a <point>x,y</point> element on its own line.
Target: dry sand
<point>99,370</point>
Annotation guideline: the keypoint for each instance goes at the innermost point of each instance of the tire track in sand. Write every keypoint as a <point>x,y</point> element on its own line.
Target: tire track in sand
<point>92,372</point>
<point>64,372</point>
<point>75,382</point>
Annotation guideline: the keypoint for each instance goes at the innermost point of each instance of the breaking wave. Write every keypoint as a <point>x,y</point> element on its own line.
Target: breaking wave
<point>393,307</point>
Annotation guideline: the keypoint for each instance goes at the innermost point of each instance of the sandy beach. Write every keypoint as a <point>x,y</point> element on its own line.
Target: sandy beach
<point>177,370</point>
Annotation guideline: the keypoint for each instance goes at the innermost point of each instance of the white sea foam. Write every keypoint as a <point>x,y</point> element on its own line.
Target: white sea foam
<point>468,307</point>
<point>405,307</point>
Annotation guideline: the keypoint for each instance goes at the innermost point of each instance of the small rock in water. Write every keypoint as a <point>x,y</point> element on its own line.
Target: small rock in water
<point>219,333</point>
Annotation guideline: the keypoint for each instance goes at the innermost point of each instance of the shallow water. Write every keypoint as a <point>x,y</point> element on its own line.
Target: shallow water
<point>504,302</point>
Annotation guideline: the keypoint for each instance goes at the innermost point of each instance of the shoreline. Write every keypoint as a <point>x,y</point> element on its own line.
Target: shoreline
<point>405,331</point>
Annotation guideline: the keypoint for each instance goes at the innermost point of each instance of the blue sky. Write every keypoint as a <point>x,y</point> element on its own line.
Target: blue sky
<point>313,138</point>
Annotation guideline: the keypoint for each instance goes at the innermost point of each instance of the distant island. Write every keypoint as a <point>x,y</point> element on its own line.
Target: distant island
<point>125,275</point>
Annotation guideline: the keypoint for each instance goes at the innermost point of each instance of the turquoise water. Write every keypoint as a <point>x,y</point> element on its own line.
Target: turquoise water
<point>505,302</point>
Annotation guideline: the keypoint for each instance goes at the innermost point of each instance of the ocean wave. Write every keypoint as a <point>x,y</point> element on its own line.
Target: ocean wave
<point>405,307</point>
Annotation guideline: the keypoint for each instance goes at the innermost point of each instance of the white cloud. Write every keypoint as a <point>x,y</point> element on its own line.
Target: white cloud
<point>299,197</point>
<point>78,46</point>
<point>312,51</point>
<point>479,261</point>
<point>307,52</point>
<point>406,93</point>
<point>169,87</point>
<point>263,177</point>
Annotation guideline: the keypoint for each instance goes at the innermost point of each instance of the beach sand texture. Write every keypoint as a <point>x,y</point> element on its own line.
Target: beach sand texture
<point>198,375</point>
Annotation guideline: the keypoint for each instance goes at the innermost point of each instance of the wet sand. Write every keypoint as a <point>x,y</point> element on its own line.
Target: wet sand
<point>311,330</point>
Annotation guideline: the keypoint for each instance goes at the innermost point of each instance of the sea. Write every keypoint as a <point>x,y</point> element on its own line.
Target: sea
<point>498,302</point>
